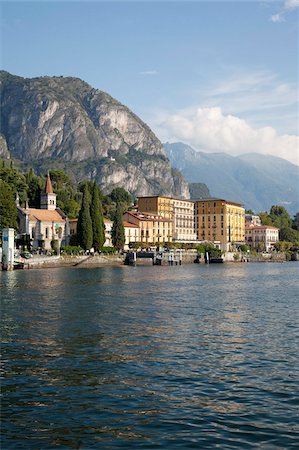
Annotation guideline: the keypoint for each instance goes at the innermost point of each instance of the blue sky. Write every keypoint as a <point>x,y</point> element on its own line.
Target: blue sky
<point>221,76</point>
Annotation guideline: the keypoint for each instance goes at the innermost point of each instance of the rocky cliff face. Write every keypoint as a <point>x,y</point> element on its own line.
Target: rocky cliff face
<point>50,121</point>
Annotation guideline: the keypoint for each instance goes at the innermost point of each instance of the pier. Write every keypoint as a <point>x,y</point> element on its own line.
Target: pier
<point>153,258</point>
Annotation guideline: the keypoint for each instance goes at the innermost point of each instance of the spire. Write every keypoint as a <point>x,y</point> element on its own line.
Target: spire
<point>48,186</point>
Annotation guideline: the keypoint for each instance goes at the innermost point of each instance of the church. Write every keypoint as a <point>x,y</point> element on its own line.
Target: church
<point>46,224</point>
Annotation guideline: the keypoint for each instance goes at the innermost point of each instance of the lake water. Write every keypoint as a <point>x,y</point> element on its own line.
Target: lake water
<point>182,357</point>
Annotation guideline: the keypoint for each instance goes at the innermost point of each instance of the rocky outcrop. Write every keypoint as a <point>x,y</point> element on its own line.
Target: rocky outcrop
<point>50,121</point>
<point>4,152</point>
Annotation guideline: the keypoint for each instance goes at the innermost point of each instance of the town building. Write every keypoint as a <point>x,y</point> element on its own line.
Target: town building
<point>261,237</point>
<point>108,233</point>
<point>180,211</point>
<point>46,224</point>
<point>153,229</point>
<point>251,219</point>
<point>221,222</point>
<point>132,234</point>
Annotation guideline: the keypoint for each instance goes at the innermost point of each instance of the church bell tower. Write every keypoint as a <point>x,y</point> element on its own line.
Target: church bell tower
<point>48,197</point>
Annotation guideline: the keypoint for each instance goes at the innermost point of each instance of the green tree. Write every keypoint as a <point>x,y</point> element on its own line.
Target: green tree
<point>84,227</point>
<point>8,210</point>
<point>214,252</point>
<point>289,235</point>
<point>265,218</point>
<point>118,231</point>
<point>16,181</point>
<point>120,195</point>
<point>96,213</point>
<point>35,186</point>
<point>295,224</point>
<point>280,217</point>
<point>283,246</point>
<point>59,179</point>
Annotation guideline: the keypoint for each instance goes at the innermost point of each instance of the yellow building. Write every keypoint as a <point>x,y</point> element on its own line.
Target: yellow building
<point>153,229</point>
<point>161,206</point>
<point>180,211</point>
<point>221,222</point>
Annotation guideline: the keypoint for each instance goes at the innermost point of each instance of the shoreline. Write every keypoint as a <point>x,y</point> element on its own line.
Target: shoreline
<point>93,261</point>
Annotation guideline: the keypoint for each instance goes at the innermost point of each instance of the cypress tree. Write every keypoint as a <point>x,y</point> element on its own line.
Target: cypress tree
<point>84,227</point>
<point>8,210</point>
<point>118,231</point>
<point>96,213</point>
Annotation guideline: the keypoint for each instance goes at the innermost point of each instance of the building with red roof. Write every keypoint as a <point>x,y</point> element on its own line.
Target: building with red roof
<point>46,224</point>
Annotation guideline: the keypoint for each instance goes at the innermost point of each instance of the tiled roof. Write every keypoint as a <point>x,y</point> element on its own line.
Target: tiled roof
<point>260,227</point>
<point>214,199</point>
<point>148,217</point>
<point>43,215</point>
<point>130,225</point>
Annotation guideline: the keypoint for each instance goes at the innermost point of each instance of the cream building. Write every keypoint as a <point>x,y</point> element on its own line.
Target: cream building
<point>261,237</point>
<point>179,211</point>
<point>132,234</point>
<point>45,224</point>
<point>153,229</point>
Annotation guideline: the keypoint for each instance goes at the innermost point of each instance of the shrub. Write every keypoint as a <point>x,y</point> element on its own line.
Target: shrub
<point>71,249</point>
<point>109,250</point>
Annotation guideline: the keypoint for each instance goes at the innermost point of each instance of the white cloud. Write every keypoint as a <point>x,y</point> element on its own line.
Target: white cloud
<point>211,130</point>
<point>288,6</point>
<point>277,18</point>
<point>256,95</point>
<point>149,72</point>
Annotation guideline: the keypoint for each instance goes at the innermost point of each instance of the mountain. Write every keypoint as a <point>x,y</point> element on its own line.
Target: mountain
<point>257,181</point>
<point>199,190</point>
<point>62,122</point>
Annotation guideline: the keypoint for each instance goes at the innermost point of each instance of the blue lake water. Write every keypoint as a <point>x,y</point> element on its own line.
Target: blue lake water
<point>182,357</point>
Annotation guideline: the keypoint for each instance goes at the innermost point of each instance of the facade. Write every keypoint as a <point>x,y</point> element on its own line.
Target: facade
<point>157,205</point>
<point>183,221</point>
<point>252,220</point>
<point>108,236</point>
<point>261,237</point>
<point>220,221</point>
<point>132,234</point>
<point>180,211</point>
<point>45,224</point>
<point>153,229</point>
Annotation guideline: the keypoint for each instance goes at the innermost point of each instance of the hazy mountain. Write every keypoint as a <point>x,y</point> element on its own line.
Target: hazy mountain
<point>51,122</point>
<point>257,181</point>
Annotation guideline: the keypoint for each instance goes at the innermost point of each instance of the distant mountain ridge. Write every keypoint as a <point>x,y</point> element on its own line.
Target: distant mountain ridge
<point>62,122</point>
<point>257,181</point>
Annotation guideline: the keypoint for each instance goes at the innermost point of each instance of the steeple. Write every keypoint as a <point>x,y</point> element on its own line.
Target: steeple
<point>48,185</point>
<point>48,198</point>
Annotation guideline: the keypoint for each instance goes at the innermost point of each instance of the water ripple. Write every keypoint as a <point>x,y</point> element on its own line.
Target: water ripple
<point>149,358</point>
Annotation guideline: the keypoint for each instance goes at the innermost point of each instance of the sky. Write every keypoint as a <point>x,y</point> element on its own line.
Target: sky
<point>219,76</point>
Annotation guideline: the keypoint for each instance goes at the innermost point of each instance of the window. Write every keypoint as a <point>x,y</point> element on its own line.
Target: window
<point>47,233</point>
<point>33,232</point>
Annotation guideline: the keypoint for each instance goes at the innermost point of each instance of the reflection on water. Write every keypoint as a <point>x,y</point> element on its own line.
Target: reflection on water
<point>149,357</point>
